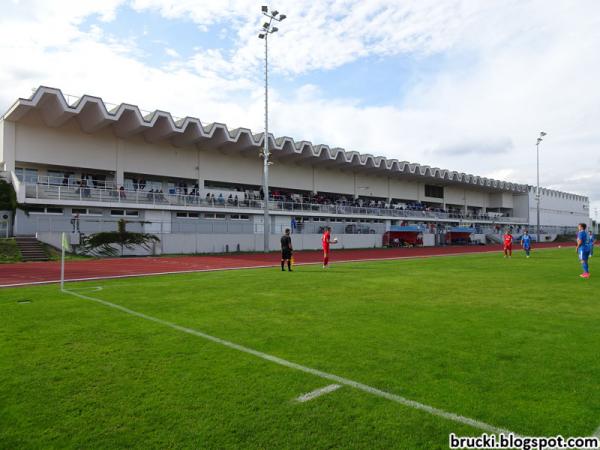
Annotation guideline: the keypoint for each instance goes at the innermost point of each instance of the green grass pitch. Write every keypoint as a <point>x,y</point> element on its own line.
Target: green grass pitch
<point>514,343</point>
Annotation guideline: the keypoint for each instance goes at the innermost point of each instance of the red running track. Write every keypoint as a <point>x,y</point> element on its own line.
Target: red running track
<point>19,274</point>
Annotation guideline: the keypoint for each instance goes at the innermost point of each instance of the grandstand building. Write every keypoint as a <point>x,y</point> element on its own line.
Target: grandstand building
<point>199,185</point>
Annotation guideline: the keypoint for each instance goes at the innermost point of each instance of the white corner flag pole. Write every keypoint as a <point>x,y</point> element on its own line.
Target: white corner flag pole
<point>62,261</point>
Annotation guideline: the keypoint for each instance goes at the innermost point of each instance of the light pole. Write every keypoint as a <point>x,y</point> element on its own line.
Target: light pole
<point>266,30</point>
<point>537,191</point>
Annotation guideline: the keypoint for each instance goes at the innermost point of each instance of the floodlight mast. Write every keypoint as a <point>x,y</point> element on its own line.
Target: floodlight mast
<point>537,191</point>
<point>267,29</point>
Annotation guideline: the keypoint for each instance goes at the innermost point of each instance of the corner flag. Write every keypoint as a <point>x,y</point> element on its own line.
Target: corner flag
<point>65,246</point>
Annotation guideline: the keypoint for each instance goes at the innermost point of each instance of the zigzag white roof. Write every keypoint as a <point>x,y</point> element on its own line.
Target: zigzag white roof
<point>128,120</point>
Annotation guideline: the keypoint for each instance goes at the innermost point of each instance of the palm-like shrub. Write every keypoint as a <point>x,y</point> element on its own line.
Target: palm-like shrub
<point>111,243</point>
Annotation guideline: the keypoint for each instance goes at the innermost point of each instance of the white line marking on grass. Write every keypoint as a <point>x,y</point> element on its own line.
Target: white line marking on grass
<point>318,392</point>
<point>88,289</point>
<point>327,376</point>
<point>597,433</point>
<point>267,266</point>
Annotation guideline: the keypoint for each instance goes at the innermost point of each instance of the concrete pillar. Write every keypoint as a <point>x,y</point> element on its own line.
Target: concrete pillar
<point>119,173</point>
<point>8,150</point>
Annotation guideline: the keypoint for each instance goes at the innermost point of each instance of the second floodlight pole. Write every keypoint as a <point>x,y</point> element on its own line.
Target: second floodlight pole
<point>537,190</point>
<point>266,226</point>
<point>264,34</point>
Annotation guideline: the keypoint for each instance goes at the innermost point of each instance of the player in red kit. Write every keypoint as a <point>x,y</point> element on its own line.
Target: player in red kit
<point>508,241</point>
<point>326,241</point>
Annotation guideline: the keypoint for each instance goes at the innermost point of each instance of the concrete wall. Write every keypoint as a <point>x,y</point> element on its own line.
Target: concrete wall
<point>454,195</point>
<point>68,145</point>
<point>331,180</point>
<point>178,243</point>
<point>521,205</point>
<point>501,200</point>
<point>404,189</point>
<point>558,209</point>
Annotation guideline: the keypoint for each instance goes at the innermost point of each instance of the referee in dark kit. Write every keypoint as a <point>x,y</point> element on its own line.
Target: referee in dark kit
<point>286,250</point>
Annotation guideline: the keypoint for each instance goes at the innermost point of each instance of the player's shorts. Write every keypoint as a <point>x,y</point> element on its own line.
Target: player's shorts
<point>584,254</point>
<point>508,247</point>
<point>286,254</point>
<point>527,247</point>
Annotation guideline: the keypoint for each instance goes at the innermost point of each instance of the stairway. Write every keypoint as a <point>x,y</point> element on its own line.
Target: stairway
<point>31,249</point>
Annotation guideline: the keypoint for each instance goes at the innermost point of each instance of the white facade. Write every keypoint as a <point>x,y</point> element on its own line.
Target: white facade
<point>50,147</point>
<point>558,209</point>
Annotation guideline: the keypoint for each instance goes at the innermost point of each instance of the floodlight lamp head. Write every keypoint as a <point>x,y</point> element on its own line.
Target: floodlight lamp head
<point>266,25</point>
<point>539,140</point>
<point>264,8</point>
<point>543,133</point>
<point>281,17</point>
<point>261,36</point>
<point>274,30</point>
<point>274,12</point>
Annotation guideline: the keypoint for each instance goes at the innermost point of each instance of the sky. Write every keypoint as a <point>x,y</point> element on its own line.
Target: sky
<point>465,85</point>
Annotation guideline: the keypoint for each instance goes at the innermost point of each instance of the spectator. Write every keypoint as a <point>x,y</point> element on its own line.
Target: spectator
<point>122,193</point>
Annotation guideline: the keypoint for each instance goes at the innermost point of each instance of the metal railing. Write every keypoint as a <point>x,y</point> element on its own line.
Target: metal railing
<point>137,197</point>
<point>48,180</point>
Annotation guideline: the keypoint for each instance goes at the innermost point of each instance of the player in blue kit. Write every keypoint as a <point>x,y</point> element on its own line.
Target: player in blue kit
<point>526,242</point>
<point>583,249</point>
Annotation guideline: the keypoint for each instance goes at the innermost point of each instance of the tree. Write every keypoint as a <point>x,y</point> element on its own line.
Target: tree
<point>8,200</point>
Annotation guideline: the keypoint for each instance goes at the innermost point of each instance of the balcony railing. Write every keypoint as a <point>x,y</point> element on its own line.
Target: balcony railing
<point>49,180</point>
<point>91,194</point>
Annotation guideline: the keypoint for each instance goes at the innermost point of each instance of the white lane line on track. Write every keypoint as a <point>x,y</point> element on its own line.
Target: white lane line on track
<point>325,375</point>
<point>318,392</point>
<point>174,272</point>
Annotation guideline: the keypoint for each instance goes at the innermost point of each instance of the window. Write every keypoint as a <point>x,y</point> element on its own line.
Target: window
<point>434,191</point>
<point>214,216</point>
<point>239,217</point>
<point>87,211</point>
<point>123,212</point>
<point>187,215</point>
<point>45,210</point>
<point>26,175</point>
